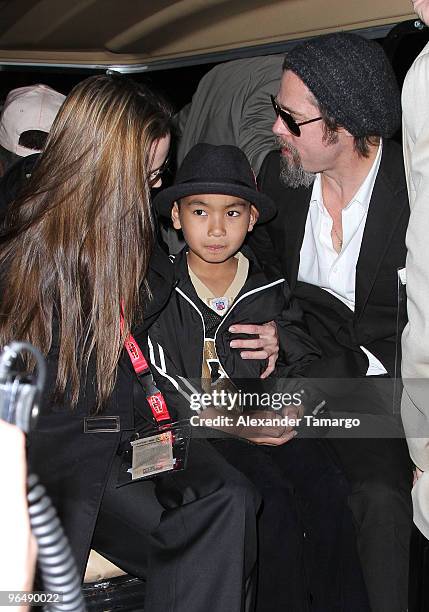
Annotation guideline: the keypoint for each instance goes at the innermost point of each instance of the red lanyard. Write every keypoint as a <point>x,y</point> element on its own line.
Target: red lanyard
<point>141,367</point>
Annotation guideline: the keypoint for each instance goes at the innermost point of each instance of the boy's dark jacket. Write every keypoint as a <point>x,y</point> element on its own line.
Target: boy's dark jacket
<point>176,338</point>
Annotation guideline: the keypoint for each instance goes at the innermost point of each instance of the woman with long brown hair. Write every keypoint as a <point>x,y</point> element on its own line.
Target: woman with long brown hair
<point>81,235</point>
<point>81,271</point>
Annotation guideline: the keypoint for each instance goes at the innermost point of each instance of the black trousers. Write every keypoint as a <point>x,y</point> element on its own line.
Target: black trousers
<point>193,539</point>
<point>419,571</point>
<point>379,470</point>
<point>380,477</point>
<point>303,492</point>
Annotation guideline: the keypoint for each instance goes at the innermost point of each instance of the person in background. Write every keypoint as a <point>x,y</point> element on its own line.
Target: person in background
<point>229,107</point>
<point>339,239</point>
<point>26,119</point>
<point>415,338</point>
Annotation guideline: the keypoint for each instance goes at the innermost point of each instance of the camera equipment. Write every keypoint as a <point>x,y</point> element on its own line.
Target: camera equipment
<point>20,395</point>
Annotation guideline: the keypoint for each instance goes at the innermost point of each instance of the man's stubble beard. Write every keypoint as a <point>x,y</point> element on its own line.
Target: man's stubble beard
<point>292,174</point>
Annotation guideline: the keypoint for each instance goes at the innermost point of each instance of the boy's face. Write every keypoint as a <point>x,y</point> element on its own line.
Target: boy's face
<point>214,225</point>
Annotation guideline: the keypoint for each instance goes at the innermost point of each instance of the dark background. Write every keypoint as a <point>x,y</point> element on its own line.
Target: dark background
<point>402,44</point>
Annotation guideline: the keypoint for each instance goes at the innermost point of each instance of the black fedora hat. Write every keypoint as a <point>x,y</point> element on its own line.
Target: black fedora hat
<point>222,169</point>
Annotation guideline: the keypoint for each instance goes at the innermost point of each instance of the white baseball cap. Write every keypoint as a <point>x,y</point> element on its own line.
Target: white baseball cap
<point>27,108</point>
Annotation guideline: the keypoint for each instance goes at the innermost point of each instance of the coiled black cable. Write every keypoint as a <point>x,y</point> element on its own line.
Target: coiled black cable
<point>19,404</point>
<point>56,563</point>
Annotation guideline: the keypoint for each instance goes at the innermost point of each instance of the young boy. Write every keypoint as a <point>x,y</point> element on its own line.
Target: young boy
<point>215,202</point>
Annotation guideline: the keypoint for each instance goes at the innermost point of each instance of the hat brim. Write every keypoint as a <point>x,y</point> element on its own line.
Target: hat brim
<point>164,200</point>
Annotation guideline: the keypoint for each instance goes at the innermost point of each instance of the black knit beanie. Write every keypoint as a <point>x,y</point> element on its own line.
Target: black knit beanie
<point>352,79</point>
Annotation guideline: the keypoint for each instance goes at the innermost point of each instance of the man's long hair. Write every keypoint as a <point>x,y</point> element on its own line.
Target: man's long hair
<point>76,243</point>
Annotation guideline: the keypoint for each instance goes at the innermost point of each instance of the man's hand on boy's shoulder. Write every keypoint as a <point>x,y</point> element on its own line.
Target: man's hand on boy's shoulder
<point>264,347</point>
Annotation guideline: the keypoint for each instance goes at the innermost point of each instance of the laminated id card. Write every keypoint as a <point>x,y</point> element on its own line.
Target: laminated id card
<point>164,449</point>
<point>152,455</point>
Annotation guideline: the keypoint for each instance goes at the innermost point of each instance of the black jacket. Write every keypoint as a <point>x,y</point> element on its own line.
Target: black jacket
<point>177,336</point>
<point>339,331</point>
<point>14,179</point>
<point>74,465</point>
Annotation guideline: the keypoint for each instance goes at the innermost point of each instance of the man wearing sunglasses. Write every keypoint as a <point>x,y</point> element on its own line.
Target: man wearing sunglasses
<point>339,239</point>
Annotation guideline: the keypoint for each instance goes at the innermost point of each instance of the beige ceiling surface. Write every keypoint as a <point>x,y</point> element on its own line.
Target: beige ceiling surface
<point>143,31</point>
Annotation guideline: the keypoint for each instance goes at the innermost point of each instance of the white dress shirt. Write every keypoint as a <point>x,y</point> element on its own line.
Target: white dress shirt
<point>320,264</point>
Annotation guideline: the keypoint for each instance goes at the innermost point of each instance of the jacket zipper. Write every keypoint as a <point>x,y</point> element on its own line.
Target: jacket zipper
<point>199,312</point>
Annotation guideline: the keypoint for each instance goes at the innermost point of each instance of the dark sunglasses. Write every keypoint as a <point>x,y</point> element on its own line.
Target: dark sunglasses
<point>154,176</point>
<point>288,120</point>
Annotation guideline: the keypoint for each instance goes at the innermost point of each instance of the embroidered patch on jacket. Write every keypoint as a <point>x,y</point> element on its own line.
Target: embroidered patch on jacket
<point>219,304</point>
